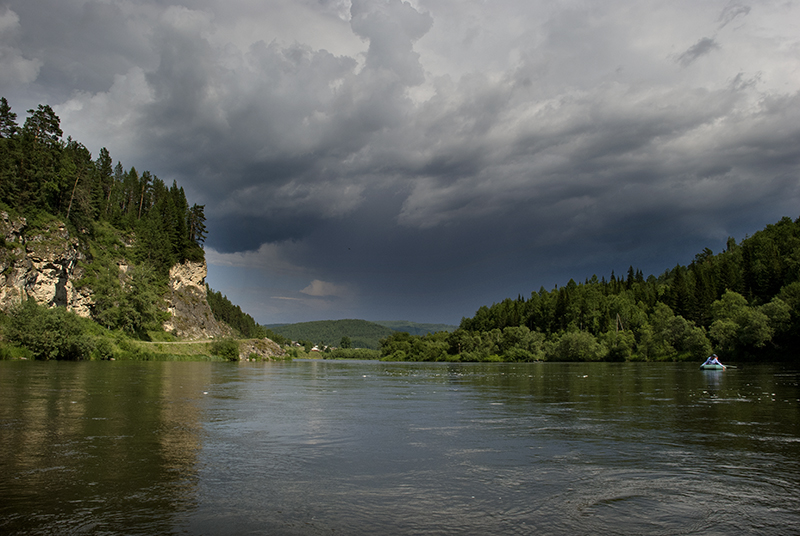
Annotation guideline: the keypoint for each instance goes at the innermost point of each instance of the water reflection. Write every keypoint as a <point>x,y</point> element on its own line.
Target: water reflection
<point>398,448</point>
<point>98,447</point>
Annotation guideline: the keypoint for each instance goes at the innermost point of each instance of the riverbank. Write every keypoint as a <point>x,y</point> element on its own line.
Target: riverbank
<point>121,348</point>
<point>207,350</point>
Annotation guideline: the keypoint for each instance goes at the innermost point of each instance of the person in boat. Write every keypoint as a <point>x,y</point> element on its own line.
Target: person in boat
<point>713,360</point>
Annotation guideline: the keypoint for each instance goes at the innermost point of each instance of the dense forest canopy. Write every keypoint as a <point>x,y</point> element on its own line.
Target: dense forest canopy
<point>743,303</point>
<point>414,328</point>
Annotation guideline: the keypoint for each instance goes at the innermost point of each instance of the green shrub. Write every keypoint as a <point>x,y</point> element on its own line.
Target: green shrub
<point>578,346</point>
<point>8,351</point>
<point>226,349</point>
<point>49,333</point>
<point>103,349</point>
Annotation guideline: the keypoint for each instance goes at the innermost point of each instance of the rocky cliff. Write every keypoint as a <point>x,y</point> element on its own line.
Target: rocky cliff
<point>41,264</point>
<point>44,263</point>
<point>260,349</point>
<point>191,316</point>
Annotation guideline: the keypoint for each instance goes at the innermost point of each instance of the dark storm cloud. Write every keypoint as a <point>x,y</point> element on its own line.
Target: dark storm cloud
<point>388,159</point>
<point>81,46</point>
<point>730,12</point>
<point>391,29</point>
<point>701,48</point>
<point>277,127</point>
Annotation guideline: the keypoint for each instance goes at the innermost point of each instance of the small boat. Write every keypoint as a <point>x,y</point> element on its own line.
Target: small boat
<point>712,363</point>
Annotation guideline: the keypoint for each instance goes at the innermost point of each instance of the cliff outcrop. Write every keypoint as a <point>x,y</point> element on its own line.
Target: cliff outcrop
<point>260,349</point>
<point>191,316</point>
<point>42,264</point>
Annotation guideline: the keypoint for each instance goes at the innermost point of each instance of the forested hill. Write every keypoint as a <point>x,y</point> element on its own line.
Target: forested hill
<point>743,303</point>
<point>93,237</point>
<point>415,328</point>
<point>359,333</point>
<point>42,176</point>
<point>118,218</point>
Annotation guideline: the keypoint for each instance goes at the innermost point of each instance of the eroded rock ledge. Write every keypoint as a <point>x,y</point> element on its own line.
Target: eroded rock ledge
<point>262,348</point>
<point>42,265</point>
<point>191,315</point>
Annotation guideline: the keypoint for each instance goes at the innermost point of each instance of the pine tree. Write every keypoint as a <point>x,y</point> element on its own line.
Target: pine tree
<point>8,120</point>
<point>197,224</point>
<point>44,125</point>
<point>104,182</point>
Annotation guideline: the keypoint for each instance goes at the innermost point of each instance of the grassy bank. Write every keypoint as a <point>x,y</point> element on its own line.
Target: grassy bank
<point>133,350</point>
<point>206,350</point>
<point>171,351</point>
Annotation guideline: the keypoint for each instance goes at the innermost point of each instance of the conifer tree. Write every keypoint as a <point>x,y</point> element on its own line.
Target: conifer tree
<point>44,125</point>
<point>197,224</point>
<point>104,183</point>
<point>8,120</point>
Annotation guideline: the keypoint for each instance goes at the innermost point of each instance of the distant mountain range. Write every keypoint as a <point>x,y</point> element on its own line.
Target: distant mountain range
<point>362,333</point>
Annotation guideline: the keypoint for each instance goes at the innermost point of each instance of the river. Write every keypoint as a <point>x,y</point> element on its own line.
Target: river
<point>337,447</point>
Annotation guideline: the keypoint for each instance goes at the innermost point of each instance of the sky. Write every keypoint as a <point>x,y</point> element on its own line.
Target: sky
<point>391,160</point>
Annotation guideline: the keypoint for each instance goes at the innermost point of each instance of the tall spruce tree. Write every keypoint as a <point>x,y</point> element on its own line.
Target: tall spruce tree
<point>8,120</point>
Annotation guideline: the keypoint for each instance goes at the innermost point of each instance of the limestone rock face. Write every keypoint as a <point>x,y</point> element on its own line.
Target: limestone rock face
<point>41,264</point>
<point>191,315</point>
<point>44,264</point>
<point>260,349</point>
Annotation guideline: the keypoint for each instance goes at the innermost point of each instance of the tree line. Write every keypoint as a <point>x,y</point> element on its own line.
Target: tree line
<point>244,324</point>
<point>355,333</point>
<point>42,175</point>
<point>743,303</point>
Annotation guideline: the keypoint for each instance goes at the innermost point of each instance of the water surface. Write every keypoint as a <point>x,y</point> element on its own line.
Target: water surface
<point>320,447</point>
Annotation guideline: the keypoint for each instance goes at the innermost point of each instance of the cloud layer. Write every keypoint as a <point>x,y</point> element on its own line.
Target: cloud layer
<point>384,159</point>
